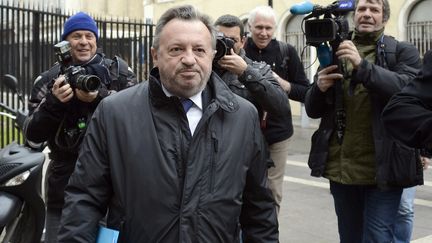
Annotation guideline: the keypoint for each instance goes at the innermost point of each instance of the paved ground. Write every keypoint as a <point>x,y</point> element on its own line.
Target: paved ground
<point>307,212</point>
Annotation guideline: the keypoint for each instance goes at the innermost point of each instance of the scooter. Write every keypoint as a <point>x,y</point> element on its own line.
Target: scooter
<point>22,211</point>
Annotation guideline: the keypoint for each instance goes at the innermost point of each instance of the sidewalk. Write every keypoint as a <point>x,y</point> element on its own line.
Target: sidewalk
<point>301,139</point>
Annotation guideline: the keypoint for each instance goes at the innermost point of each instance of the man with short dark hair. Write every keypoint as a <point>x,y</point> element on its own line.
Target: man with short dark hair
<point>251,80</point>
<point>179,158</point>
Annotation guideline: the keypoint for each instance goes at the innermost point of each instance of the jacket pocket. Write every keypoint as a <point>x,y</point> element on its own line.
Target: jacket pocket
<point>319,151</point>
<point>399,166</point>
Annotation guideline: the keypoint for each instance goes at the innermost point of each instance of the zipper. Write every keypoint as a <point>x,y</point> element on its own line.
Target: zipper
<point>214,150</point>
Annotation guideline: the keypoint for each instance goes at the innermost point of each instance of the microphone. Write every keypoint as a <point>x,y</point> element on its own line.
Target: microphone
<point>304,7</point>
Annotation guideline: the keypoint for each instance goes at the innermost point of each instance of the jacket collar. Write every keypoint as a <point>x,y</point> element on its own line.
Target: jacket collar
<point>216,94</point>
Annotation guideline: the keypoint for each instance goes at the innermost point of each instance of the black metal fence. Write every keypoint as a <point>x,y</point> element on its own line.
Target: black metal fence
<point>28,34</point>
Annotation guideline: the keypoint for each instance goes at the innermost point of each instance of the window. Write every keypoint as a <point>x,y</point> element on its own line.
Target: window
<point>419,26</point>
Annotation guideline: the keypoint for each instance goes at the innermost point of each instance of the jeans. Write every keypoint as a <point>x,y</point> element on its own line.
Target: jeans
<point>365,214</point>
<point>405,217</point>
<point>52,224</point>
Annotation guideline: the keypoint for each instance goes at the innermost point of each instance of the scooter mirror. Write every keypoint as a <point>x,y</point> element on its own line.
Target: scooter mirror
<point>11,82</point>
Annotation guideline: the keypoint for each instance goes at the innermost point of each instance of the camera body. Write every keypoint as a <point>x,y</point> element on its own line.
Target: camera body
<point>223,46</point>
<point>333,27</point>
<point>76,76</point>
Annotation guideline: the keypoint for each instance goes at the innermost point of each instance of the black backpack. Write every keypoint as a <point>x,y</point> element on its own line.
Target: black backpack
<point>118,69</point>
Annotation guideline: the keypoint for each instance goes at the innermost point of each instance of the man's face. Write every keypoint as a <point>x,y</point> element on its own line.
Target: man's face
<point>368,16</point>
<point>184,57</point>
<point>234,34</point>
<point>83,45</point>
<point>262,31</point>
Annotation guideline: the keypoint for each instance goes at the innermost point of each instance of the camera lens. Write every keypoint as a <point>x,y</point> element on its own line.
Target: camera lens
<point>221,49</point>
<point>88,82</point>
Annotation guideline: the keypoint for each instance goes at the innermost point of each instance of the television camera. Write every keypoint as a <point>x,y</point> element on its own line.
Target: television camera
<point>332,28</point>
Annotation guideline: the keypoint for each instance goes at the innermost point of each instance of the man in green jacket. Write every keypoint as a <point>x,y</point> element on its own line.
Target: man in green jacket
<point>367,169</point>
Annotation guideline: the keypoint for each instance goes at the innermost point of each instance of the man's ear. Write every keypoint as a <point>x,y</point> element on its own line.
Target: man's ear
<point>243,40</point>
<point>154,56</point>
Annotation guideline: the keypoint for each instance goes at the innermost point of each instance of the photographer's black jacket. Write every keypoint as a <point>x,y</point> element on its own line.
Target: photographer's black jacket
<point>51,120</point>
<point>258,85</point>
<point>289,67</point>
<point>408,115</point>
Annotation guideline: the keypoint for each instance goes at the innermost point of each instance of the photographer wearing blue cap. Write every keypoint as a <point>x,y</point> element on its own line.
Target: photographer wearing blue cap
<point>62,101</point>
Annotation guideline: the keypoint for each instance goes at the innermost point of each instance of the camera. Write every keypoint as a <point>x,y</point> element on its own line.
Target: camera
<point>223,46</point>
<point>332,27</point>
<point>76,76</point>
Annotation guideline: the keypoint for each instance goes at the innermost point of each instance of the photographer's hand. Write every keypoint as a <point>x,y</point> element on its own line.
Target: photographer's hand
<point>233,63</point>
<point>347,50</point>
<point>62,90</point>
<point>86,96</point>
<point>327,77</point>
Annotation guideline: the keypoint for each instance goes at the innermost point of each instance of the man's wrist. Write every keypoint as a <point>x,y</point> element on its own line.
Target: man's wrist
<point>285,85</point>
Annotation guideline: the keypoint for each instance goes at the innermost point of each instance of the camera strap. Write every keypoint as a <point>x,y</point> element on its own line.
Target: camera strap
<point>71,137</point>
<point>339,102</point>
<point>340,111</point>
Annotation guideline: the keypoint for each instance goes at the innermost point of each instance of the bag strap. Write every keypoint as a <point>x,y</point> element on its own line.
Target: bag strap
<point>390,50</point>
<point>284,52</point>
<point>283,47</point>
<point>122,69</point>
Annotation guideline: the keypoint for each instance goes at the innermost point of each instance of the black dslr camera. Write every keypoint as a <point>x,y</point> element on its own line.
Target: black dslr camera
<point>223,46</point>
<point>76,76</point>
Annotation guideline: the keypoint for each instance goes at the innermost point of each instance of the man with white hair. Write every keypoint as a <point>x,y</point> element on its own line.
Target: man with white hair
<point>289,72</point>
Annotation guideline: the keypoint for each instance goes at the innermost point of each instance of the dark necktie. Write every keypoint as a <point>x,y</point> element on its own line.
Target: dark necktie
<point>187,104</point>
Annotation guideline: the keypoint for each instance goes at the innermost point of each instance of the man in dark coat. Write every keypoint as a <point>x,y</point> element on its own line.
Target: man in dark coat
<point>367,169</point>
<point>179,158</point>
<point>408,115</point>
<point>59,109</point>
<point>408,118</point>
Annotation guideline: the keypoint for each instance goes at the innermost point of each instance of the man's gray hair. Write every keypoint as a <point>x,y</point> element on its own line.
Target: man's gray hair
<point>187,13</point>
<point>385,8</point>
<point>264,11</point>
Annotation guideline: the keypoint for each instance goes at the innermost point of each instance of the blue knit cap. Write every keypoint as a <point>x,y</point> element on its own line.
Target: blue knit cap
<point>79,21</point>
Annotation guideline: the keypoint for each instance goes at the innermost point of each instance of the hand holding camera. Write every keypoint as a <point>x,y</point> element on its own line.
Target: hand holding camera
<point>62,90</point>
<point>233,63</point>
<point>347,50</point>
<point>327,77</point>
